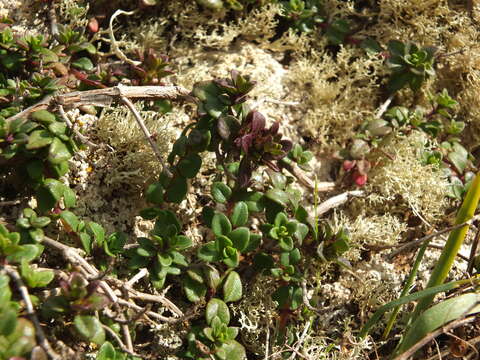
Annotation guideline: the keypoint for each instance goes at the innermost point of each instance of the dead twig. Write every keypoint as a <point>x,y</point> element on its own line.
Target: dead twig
<point>337,200</point>
<point>473,251</point>
<point>105,97</point>
<point>42,340</point>
<point>72,255</point>
<point>381,110</point>
<point>147,134</point>
<point>306,302</point>
<point>52,17</point>
<point>304,180</point>
<point>432,335</point>
<point>120,342</point>
<point>42,104</point>
<point>77,133</point>
<point>138,276</point>
<point>413,243</point>
<point>9,203</point>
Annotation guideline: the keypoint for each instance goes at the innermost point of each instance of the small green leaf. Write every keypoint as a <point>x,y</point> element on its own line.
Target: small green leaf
<point>25,252</point>
<point>70,219</point>
<point>217,308</point>
<point>278,196</point>
<point>458,157</point>
<point>196,274</point>
<point>23,223</point>
<point>154,193</point>
<point>301,232</point>
<point>36,234</point>
<point>231,256</point>
<point>90,328</point>
<point>39,139</point>
<point>231,350</point>
<point>232,288</point>
<point>240,214</point>
<point>35,169</point>
<point>69,197</point>
<point>220,224</point>
<point>164,259</point>
<point>190,165</point>
<point>98,232</point>
<point>106,352</point>
<point>221,192</point>
<point>279,180</point>
<point>194,290</point>
<point>55,187</point>
<point>9,321</point>
<point>209,252</point>
<point>253,243</point>
<point>240,238</point>
<point>58,128</point>
<point>83,63</point>
<point>212,276</point>
<point>43,116</point>
<point>40,221</point>
<point>86,241</point>
<point>177,190</point>
<point>254,201</point>
<point>58,152</point>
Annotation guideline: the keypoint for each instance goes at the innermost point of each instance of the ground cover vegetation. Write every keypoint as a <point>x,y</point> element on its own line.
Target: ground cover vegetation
<point>238,179</point>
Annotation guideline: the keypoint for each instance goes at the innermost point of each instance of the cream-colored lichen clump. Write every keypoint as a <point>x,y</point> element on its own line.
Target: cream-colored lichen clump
<point>119,129</point>
<point>405,185</point>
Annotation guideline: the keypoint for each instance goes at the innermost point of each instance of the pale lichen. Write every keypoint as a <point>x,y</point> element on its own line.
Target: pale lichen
<point>136,161</point>
<point>403,183</point>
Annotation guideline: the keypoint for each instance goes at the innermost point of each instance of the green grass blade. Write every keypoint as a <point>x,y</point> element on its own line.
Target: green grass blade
<point>406,288</point>
<point>439,315</point>
<point>432,291</point>
<point>455,240</point>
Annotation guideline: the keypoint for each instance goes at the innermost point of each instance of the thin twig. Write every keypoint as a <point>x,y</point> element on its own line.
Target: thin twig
<point>120,342</point>
<point>147,134</point>
<point>9,203</point>
<point>473,251</point>
<point>432,335</point>
<point>304,180</point>
<point>306,302</point>
<point>126,335</point>
<point>72,255</point>
<point>267,342</point>
<point>381,110</point>
<point>138,276</point>
<point>152,314</point>
<point>337,200</point>
<point>105,97</point>
<point>158,299</point>
<point>415,242</point>
<point>441,247</point>
<point>42,340</point>
<point>42,104</point>
<point>77,133</point>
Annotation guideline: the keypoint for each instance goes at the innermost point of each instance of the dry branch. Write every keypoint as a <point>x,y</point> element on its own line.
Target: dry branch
<point>105,97</point>
<point>72,255</point>
<point>433,335</point>
<point>42,340</point>
<point>336,201</point>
